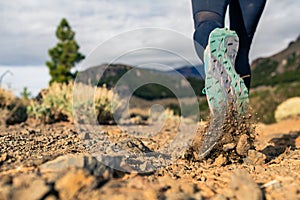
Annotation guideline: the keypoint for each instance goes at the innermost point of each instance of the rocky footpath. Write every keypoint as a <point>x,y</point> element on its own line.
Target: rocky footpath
<point>52,162</point>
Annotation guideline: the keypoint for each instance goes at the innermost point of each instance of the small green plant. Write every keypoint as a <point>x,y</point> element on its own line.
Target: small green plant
<point>12,109</point>
<point>55,104</point>
<point>105,105</point>
<point>25,94</point>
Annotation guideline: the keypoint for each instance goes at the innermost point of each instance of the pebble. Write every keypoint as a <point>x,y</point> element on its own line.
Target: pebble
<point>3,157</point>
<point>220,160</point>
<point>78,160</point>
<point>227,147</point>
<point>82,176</point>
<point>243,145</point>
<point>255,158</point>
<point>243,186</point>
<point>32,189</point>
<point>72,182</point>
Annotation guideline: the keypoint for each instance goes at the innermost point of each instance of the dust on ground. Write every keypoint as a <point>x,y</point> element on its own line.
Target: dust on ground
<point>51,162</point>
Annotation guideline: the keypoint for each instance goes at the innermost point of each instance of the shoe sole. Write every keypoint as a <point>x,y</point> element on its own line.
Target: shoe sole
<point>224,46</point>
<point>223,86</point>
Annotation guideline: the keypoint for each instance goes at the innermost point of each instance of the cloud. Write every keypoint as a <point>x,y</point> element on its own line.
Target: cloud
<point>279,25</point>
<point>27,27</point>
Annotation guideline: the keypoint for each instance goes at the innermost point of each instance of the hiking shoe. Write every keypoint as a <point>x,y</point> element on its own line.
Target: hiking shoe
<point>215,95</point>
<point>224,46</point>
<point>221,81</point>
<point>223,86</point>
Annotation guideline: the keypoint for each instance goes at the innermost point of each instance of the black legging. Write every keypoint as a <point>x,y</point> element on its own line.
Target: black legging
<point>244,17</point>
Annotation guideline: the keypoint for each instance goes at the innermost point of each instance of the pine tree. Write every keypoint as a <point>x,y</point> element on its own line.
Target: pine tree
<point>64,55</point>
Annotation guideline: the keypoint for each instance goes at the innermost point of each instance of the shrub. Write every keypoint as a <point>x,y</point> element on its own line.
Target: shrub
<point>56,104</point>
<point>104,105</point>
<point>12,109</point>
<point>53,104</point>
<point>25,94</point>
<point>262,73</point>
<point>6,98</point>
<point>265,101</point>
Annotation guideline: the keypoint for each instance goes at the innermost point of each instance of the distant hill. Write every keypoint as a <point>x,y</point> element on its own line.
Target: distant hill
<point>274,80</point>
<point>283,67</point>
<point>111,74</point>
<point>104,73</point>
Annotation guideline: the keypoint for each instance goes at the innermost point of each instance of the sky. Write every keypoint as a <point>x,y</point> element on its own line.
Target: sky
<point>27,29</point>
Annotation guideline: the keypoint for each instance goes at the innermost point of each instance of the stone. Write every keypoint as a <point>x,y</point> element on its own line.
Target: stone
<point>51,197</point>
<point>23,180</point>
<point>64,162</point>
<point>188,188</point>
<point>243,145</point>
<point>95,167</point>
<point>255,158</point>
<point>36,189</point>
<point>86,136</point>
<point>79,160</point>
<point>5,191</point>
<point>220,160</point>
<point>6,180</point>
<point>288,109</point>
<point>74,181</point>
<point>243,186</point>
<point>3,157</point>
<point>229,146</point>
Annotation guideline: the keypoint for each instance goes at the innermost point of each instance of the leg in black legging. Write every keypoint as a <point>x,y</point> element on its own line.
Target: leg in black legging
<point>208,15</point>
<point>244,17</point>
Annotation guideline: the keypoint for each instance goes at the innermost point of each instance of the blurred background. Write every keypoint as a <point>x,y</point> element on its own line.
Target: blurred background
<point>29,33</point>
<point>27,30</point>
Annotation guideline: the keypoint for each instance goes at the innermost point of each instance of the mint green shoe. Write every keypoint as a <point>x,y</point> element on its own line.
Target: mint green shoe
<point>224,46</point>
<point>219,59</point>
<point>215,95</point>
<point>223,86</point>
<point>216,98</point>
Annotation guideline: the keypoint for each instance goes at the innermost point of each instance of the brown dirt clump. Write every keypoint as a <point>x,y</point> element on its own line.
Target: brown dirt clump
<point>236,136</point>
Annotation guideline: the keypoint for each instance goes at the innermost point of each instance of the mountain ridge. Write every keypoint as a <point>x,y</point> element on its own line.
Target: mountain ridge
<point>282,67</point>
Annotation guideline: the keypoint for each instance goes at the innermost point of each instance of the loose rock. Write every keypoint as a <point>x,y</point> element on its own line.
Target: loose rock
<point>244,187</point>
<point>30,189</point>
<point>243,145</point>
<point>80,161</point>
<point>255,158</point>
<point>228,147</point>
<point>220,160</point>
<point>74,181</point>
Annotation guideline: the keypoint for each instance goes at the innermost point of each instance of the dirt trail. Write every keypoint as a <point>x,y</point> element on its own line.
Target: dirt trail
<point>50,162</point>
<point>284,127</point>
